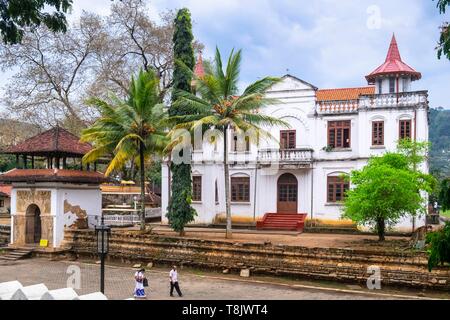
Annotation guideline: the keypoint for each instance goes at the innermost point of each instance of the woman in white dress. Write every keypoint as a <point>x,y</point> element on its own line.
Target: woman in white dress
<point>139,291</point>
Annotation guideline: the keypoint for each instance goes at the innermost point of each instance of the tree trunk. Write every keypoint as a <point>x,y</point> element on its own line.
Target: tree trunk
<point>229,233</point>
<point>381,226</point>
<point>142,182</point>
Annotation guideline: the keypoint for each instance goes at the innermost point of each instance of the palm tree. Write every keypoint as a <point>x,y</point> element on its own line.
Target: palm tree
<point>218,105</point>
<point>130,130</point>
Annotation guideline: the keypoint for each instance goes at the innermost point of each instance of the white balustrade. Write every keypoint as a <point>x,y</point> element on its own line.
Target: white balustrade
<point>403,99</point>
<point>288,156</point>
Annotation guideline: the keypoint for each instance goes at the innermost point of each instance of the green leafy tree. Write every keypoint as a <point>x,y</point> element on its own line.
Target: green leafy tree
<point>386,190</point>
<point>219,105</point>
<point>439,247</point>
<point>180,211</point>
<point>444,40</point>
<point>444,194</point>
<point>133,129</point>
<point>15,15</point>
<point>7,162</point>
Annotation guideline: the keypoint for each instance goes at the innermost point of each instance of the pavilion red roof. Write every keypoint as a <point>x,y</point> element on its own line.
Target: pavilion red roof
<point>52,175</point>
<point>5,190</point>
<point>393,65</point>
<point>56,140</point>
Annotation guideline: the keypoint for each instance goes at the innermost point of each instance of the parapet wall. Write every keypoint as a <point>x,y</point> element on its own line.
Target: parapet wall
<point>399,268</point>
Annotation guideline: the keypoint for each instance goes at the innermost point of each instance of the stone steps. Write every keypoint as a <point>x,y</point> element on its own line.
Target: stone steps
<point>276,221</point>
<point>16,254</point>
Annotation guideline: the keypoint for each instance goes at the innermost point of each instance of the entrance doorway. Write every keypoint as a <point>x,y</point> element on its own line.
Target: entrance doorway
<point>287,201</point>
<point>33,225</point>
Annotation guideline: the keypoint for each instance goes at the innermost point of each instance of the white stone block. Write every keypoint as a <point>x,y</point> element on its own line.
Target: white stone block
<point>245,273</point>
<point>9,287</point>
<point>34,292</point>
<point>93,296</point>
<point>60,294</point>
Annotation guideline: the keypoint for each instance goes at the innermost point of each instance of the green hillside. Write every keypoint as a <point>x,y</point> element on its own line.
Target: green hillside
<point>440,142</point>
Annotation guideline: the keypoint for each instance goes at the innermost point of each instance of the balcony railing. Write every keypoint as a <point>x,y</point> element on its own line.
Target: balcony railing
<point>402,99</point>
<point>289,156</point>
<point>337,106</point>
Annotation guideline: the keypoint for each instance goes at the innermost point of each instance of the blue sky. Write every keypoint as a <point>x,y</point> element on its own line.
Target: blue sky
<point>327,43</point>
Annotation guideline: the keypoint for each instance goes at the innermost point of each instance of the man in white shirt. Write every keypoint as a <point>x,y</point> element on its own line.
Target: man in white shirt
<point>173,275</point>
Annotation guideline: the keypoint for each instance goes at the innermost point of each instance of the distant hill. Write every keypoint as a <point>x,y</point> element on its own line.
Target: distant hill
<point>440,142</point>
<point>14,131</point>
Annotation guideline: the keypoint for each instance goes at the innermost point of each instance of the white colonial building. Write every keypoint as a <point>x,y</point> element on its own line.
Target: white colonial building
<point>332,132</point>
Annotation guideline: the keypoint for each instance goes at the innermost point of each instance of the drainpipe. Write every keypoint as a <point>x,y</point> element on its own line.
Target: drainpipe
<point>312,193</point>
<point>415,140</point>
<point>255,190</point>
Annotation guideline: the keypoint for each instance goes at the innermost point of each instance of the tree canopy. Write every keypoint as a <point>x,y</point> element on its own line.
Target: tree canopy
<point>133,129</point>
<point>444,40</point>
<point>385,191</point>
<point>180,211</point>
<point>16,15</point>
<point>218,104</point>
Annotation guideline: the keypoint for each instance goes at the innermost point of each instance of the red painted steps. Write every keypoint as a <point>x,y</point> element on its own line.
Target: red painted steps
<point>282,221</point>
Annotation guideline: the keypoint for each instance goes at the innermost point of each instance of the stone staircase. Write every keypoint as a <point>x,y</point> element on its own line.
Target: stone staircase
<point>280,221</point>
<point>15,254</point>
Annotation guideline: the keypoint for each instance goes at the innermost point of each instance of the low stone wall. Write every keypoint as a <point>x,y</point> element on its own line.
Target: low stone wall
<point>347,265</point>
<point>5,235</point>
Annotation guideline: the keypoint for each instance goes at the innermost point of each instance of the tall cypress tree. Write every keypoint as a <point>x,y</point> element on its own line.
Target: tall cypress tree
<point>180,211</point>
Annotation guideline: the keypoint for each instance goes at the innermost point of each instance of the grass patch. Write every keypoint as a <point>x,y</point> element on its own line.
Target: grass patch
<point>446,214</point>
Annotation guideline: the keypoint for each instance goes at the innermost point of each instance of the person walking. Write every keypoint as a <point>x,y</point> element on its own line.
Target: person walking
<point>139,291</point>
<point>173,275</point>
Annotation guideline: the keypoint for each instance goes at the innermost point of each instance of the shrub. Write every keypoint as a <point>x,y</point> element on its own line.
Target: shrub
<point>439,247</point>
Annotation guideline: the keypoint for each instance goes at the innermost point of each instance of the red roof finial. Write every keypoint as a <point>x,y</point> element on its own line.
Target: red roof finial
<point>393,65</point>
<point>393,53</point>
<point>199,70</point>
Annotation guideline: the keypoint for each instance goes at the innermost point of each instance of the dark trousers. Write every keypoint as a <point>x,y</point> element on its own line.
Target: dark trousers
<point>177,287</point>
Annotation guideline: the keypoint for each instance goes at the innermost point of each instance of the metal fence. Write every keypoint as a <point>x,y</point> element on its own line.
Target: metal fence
<point>130,218</point>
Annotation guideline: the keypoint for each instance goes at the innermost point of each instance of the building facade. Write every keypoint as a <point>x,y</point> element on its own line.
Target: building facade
<point>51,190</point>
<point>332,132</point>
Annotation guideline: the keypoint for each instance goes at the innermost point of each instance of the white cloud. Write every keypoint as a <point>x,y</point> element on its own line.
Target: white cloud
<point>325,42</point>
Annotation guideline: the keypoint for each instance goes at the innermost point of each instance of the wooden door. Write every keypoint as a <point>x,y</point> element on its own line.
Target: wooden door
<point>37,226</point>
<point>287,201</point>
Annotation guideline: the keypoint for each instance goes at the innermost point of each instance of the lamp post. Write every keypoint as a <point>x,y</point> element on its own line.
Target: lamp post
<point>102,233</point>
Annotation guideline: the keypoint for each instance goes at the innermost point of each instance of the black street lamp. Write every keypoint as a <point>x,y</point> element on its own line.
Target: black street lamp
<point>102,233</point>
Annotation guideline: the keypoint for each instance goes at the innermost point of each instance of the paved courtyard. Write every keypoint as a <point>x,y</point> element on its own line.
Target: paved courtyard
<point>195,285</point>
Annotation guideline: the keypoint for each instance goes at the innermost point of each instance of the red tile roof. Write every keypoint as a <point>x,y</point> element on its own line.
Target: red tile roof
<point>56,140</point>
<point>343,94</point>
<point>52,175</point>
<point>393,65</point>
<point>6,190</point>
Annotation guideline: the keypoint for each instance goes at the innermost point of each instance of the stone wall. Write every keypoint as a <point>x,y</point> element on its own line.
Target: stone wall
<point>346,265</point>
<point>5,234</point>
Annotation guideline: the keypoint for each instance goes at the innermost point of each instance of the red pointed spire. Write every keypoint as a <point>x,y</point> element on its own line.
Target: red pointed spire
<point>393,53</point>
<point>393,65</point>
<point>199,69</point>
